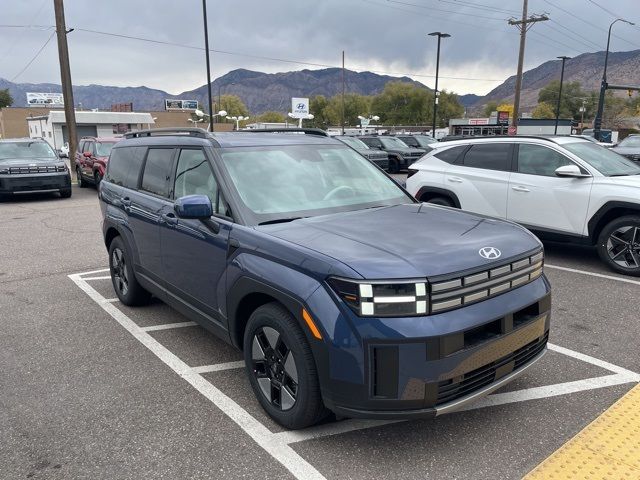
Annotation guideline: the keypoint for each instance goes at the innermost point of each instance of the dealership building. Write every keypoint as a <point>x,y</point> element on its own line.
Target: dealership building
<point>526,126</point>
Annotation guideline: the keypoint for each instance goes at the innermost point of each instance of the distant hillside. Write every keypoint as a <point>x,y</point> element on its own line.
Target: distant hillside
<point>259,91</point>
<point>623,68</point>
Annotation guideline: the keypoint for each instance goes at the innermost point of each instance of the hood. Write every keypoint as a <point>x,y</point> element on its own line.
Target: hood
<point>626,181</point>
<point>407,241</point>
<point>24,162</point>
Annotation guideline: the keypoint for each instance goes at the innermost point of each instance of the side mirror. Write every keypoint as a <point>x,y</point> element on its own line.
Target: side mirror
<point>193,206</point>
<point>572,171</point>
<point>87,154</point>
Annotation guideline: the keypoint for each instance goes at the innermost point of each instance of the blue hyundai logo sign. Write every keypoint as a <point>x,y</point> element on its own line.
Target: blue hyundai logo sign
<point>301,106</point>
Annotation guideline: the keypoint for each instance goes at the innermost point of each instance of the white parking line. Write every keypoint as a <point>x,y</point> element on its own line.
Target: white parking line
<point>593,274</point>
<point>594,361</point>
<point>94,271</point>
<point>88,279</point>
<point>218,367</point>
<point>167,326</point>
<point>282,452</point>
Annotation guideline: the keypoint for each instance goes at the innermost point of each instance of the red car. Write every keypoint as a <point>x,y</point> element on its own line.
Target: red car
<point>92,157</point>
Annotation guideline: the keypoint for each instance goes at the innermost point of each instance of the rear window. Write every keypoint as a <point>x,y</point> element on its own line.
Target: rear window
<point>157,170</point>
<point>490,156</point>
<point>450,155</point>
<point>124,166</point>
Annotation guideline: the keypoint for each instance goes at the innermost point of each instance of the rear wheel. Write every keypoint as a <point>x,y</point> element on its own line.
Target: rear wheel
<point>281,368</point>
<point>394,165</point>
<point>81,181</point>
<point>619,245</point>
<point>97,178</point>
<point>66,193</point>
<point>441,201</point>
<point>127,288</point>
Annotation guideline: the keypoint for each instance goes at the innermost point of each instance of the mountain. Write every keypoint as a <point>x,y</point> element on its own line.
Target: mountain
<point>259,91</point>
<point>623,68</point>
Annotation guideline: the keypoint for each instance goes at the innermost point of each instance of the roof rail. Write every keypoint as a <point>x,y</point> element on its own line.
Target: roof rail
<point>192,132</point>
<point>306,131</point>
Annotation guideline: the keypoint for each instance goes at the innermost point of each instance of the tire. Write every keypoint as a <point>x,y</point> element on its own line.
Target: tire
<point>394,165</point>
<point>127,288</point>
<point>66,193</point>
<point>288,392</point>
<point>97,178</point>
<point>82,183</point>
<point>619,245</point>
<point>441,201</point>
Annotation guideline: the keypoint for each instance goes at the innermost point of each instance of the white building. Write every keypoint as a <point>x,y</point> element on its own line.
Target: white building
<point>53,128</point>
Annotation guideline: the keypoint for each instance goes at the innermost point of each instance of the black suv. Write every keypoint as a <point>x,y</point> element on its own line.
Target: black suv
<point>376,156</point>
<point>344,293</point>
<point>30,165</point>
<point>400,154</point>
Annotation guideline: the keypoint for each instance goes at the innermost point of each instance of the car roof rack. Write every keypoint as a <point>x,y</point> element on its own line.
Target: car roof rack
<point>192,132</point>
<point>306,131</point>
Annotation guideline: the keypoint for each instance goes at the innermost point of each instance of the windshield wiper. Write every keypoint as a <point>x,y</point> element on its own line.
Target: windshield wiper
<point>280,220</point>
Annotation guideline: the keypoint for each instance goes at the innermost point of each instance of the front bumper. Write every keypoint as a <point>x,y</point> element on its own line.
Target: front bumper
<point>34,183</point>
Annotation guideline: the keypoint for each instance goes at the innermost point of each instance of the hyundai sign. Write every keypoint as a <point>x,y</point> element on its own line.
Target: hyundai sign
<point>170,104</point>
<point>299,107</point>
<point>35,99</point>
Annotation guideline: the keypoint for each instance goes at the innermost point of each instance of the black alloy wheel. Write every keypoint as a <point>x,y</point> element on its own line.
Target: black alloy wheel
<point>619,245</point>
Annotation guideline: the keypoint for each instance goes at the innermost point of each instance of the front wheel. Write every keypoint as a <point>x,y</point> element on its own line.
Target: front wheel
<point>97,178</point>
<point>81,181</point>
<point>619,245</point>
<point>281,368</point>
<point>394,165</point>
<point>66,193</point>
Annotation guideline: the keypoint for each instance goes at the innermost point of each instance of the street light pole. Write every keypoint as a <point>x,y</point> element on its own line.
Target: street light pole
<point>563,58</point>
<point>597,122</point>
<point>435,91</point>
<point>206,52</point>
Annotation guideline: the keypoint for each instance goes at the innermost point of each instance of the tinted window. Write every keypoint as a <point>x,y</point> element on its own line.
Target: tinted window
<point>81,149</point>
<point>539,160</point>
<point>157,170</point>
<point>450,155</point>
<point>194,177</point>
<point>490,156</point>
<point>124,166</point>
<point>372,142</point>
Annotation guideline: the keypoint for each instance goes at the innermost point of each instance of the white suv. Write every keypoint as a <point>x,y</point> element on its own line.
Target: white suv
<point>563,188</point>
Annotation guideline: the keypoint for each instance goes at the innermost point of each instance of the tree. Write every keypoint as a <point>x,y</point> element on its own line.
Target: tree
<point>402,103</point>
<point>234,106</point>
<point>490,107</point>
<point>506,107</point>
<point>354,105</point>
<point>317,106</point>
<point>448,107</point>
<point>271,117</point>
<point>572,99</point>
<point>544,110</point>
<point>6,100</point>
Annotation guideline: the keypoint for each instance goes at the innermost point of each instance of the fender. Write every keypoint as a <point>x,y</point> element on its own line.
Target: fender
<point>440,191</point>
<point>594,225</point>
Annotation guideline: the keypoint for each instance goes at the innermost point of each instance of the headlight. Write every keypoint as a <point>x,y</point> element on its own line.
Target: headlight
<point>383,299</point>
<point>4,171</point>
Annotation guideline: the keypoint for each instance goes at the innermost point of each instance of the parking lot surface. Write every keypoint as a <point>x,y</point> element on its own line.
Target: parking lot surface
<point>94,389</point>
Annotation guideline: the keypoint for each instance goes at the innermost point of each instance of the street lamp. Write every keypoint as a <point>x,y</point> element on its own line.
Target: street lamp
<point>365,121</point>
<point>435,91</point>
<point>564,59</point>
<point>201,115</point>
<point>308,117</point>
<point>597,122</point>
<point>237,119</point>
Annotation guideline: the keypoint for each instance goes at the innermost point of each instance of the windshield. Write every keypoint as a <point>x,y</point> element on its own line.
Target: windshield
<point>292,181</point>
<point>103,149</point>
<point>354,143</point>
<point>602,159</point>
<point>424,141</point>
<point>630,142</point>
<point>392,142</point>
<point>28,150</point>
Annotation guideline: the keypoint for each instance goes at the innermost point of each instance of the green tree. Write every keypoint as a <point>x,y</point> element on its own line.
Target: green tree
<point>234,106</point>
<point>572,99</point>
<point>543,110</point>
<point>490,107</point>
<point>448,107</point>
<point>317,106</point>
<point>402,103</point>
<point>354,106</point>
<point>270,117</point>
<point>6,100</point>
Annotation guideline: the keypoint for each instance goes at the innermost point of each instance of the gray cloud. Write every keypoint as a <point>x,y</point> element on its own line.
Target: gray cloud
<point>380,35</point>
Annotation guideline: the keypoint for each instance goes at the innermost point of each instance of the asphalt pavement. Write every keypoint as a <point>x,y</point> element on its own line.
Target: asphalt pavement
<point>93,389</point>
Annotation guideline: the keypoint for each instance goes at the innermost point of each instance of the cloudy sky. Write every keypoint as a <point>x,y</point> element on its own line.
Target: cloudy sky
<point>385,36</point>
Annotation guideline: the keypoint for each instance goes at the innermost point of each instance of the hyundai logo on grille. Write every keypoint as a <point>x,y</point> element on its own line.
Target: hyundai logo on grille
<point>490,253</point>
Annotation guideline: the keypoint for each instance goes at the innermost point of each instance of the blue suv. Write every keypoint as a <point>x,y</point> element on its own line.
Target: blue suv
<point>345,294</point>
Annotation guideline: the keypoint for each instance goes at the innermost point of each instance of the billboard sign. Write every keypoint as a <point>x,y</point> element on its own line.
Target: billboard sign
<point>171,104</point>
<point>299,107</point>
<point>41,99</point>
<point>503,118</point>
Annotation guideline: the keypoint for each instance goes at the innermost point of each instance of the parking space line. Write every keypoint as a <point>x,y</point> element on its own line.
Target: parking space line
<point>167,326</point>
<point>218,367</point>
<point>594,361</point>
<point>92,272</point>
<point>593,274</point>
<point>266,439</point>
<point>104,277</point>
<point>328,429</point>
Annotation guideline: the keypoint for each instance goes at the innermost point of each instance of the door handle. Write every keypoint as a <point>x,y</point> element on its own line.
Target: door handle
<point>520,188</point>
<point>126,203</point>
<point>455,179</point>
<point>169,218</point>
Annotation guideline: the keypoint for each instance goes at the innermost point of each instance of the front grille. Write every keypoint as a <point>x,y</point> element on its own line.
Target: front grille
<point>450,294</point>
<point>450,390</point>
<point>633,156</point>
<point>36,169</point>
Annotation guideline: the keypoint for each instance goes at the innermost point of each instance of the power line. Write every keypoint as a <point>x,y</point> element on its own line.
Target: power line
<point>480,6</point>
<point>615,15</point>
<point>593,44</point>
<point>445,11</point>
<point>34,57</point>
<point>590,47</point>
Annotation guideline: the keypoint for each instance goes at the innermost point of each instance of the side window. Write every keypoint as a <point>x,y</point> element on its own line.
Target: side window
<point>157,170</point>
<point>539,160</point>
<point>92,148</point>
<point>194,177</point>
<point>81,149</point>
<point>124,166</point>
<point>490,156</point>
<point>450,155</point>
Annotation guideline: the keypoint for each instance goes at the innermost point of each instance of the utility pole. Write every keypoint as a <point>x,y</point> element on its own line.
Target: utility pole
<point>343,112</point>
<point>523,25</point>
<point>65,77</point>
<point>564,59</point>
<point>206,51</point>
<point>440,36</point>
